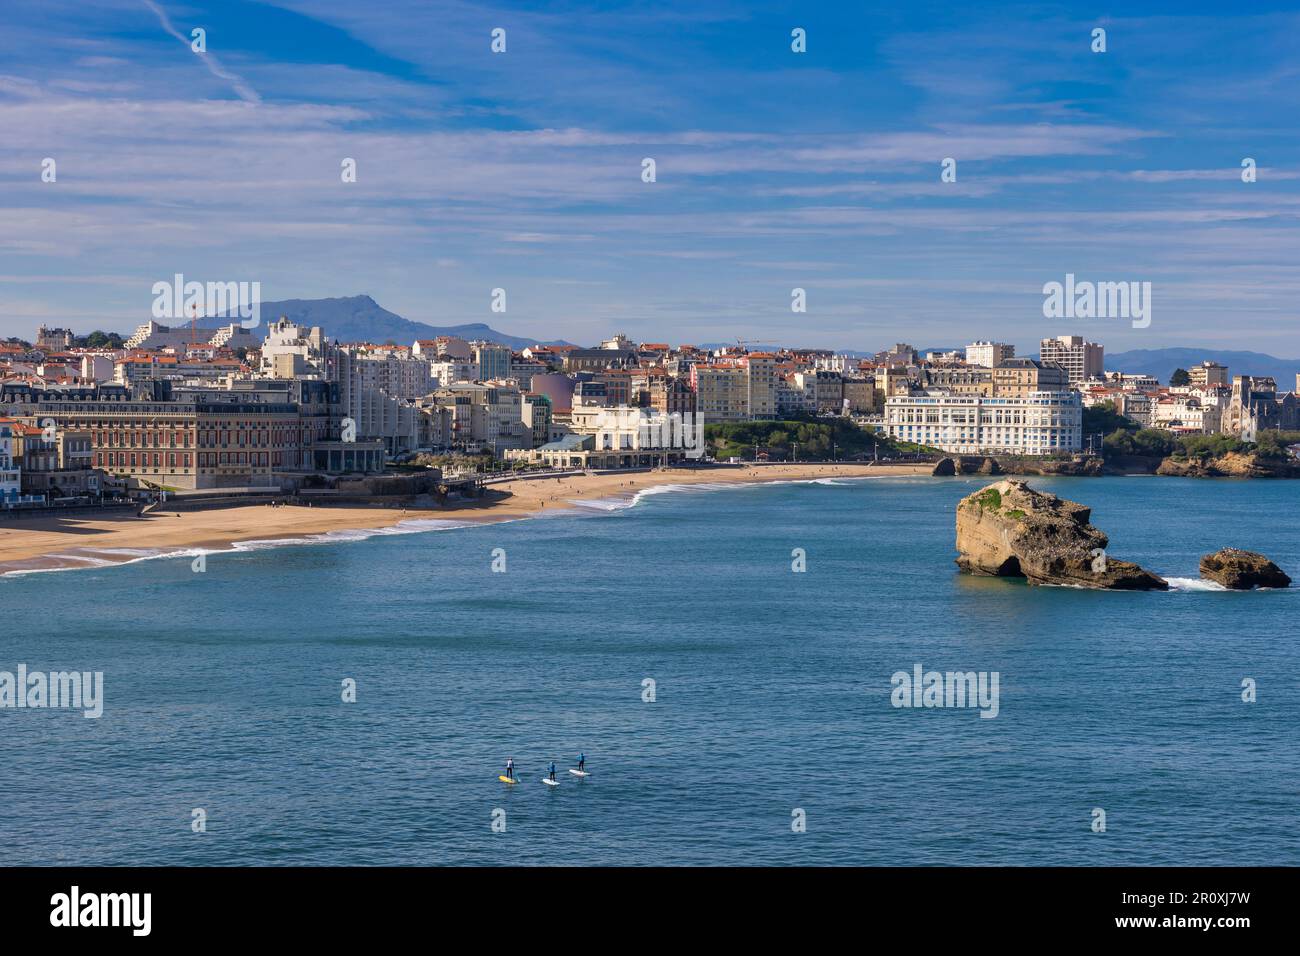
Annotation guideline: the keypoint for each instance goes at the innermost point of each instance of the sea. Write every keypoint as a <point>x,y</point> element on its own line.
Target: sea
<point>725,656</point>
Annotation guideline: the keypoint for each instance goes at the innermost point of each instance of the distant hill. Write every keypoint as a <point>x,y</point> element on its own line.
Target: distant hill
<point>360,318</point>
<point>1162,362</point>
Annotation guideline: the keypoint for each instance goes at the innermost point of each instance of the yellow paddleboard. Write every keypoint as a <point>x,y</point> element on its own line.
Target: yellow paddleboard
<point>505,779</point>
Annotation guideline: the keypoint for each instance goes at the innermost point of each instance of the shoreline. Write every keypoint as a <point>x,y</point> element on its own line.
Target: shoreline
<point>68,543</point>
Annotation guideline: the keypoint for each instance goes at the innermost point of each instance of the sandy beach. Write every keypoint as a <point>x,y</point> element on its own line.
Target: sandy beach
<point>79,541</point>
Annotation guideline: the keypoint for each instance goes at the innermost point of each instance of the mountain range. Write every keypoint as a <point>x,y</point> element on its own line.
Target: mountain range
<point>1162,362</point>
<point>359,318</point>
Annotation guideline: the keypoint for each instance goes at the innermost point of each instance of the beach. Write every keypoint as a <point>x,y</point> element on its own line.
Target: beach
<point>55,543</point>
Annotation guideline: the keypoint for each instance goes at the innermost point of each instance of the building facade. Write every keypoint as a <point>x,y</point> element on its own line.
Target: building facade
<point>1042,423</point>
<point>1081,359</point>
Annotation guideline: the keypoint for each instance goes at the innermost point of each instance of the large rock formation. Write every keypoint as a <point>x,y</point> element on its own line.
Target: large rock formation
<point>1243,570</point>
<point>1008,529</point>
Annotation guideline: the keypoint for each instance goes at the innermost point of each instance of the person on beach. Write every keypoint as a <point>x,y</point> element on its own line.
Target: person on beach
<point>510,767</point>
<point>552,769</point>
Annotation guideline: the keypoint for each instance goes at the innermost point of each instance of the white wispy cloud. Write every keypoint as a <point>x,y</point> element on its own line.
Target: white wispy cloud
<point>209,60</point>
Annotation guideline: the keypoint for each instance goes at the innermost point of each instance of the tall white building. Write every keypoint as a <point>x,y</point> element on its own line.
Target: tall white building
<point>1040,423</point>
<point>292,351</point>
<point>989,354</point>
<point>1082,360</point>
<point>378,389</point>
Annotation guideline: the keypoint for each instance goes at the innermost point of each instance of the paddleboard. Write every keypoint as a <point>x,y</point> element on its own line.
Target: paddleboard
<point>504,779</point>
<point>579,773</point>
<point>549,782</point>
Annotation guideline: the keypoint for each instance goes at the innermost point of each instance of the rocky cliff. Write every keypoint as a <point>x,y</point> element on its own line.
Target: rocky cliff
<point>1010,530</point>
<point>1081,465</point>
<point>1231,465</point>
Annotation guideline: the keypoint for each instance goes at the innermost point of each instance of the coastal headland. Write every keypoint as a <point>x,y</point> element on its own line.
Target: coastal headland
<point>79,541</point>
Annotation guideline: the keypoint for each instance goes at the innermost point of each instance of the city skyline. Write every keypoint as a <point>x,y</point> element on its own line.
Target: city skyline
<point>775,170</point>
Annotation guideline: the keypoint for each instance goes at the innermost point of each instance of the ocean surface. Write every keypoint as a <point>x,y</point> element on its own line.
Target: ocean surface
<point>223,691</point>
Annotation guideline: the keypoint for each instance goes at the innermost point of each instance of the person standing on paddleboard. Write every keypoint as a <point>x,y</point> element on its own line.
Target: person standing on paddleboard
<point>552,769</point>
<point>582,761</point>
<point>510,767</point>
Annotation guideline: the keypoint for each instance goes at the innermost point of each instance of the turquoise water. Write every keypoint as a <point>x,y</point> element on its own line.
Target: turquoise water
<point>772,692</point>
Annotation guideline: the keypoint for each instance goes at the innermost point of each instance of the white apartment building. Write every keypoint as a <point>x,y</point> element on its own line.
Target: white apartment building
<point>98,367</point>
<point>989,354</point>
<point>1041,423</point>
<point>452,371</point>
<point>1186,414</point>
<point>844,364</point>
<point>377,390</point>
<point>1081,360</point>
<point>292,351</point>
<point>154,335</point>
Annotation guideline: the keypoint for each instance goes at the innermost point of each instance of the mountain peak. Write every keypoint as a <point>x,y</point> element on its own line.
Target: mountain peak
<point>359,318</point>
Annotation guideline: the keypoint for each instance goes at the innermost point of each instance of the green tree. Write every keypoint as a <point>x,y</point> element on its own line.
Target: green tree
<point>1180,377</point>
<point>102,340</point>
<point>1105,419</point>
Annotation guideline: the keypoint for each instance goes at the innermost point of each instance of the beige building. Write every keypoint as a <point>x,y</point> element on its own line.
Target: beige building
<point>1210,374</point>
<point>760,370</point>
<point>721,392</point>
<point>860,396</point>
<point>1019,377</point>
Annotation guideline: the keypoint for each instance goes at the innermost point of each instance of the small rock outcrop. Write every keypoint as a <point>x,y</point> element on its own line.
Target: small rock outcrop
<point>990,466</point>
<point>1010,530</point>
<point>1242,570</point>
<point>945,466</point>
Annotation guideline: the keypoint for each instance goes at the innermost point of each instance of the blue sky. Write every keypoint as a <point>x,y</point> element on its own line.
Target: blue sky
<point>775,169</point>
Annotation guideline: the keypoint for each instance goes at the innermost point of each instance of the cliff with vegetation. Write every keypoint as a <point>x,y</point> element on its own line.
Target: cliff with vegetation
<point>1128,448</point>
<point>1010,530</point>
